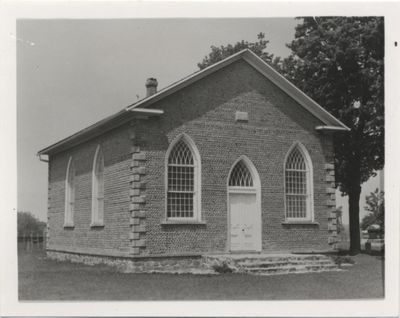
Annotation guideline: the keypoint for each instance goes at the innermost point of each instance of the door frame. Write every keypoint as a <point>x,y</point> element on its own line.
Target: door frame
<point>256,189</point>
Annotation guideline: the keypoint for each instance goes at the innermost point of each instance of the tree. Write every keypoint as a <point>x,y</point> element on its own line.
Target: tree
<point>27,224</point>
<point>219,53</point>
<point>338,61</point>
<point>375,204</point>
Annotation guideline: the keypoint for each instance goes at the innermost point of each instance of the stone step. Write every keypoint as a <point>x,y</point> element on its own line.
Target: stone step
<point>290,269</point>
<point>272,264</point>
<point>194,271</point>
<point>284,263</point>
<point>270,258</point>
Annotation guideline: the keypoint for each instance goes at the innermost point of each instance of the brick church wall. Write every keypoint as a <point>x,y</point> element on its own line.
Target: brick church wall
<point>113,238</point>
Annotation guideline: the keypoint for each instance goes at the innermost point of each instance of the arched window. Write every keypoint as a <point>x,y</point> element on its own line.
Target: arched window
<point>298,184</point>
<point>183,180</point>
<point>69,194</point>
<point>240,176</point>
<point>98,189</point>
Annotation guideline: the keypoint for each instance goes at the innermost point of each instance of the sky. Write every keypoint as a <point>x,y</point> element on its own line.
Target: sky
<point>72,73</point>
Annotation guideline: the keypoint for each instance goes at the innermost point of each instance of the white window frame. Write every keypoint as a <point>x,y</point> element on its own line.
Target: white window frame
<point>309,184</point>
<point>69,194</point>
<point>196,177</point>
<point>97,214</point>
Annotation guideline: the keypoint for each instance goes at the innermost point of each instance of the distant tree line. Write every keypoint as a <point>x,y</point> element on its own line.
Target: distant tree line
<point>28,224</point>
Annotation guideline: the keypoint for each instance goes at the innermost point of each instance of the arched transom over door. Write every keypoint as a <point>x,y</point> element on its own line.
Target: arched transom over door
<point>244,207</point>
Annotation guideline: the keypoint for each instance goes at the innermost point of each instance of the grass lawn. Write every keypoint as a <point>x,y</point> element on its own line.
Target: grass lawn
<point>42,279</point>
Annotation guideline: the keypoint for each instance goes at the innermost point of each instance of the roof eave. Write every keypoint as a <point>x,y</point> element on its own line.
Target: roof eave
<point>333,128</point>
<point>99,128</point>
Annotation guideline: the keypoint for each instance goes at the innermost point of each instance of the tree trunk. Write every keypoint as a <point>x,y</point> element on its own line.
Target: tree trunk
<point>354,216</point>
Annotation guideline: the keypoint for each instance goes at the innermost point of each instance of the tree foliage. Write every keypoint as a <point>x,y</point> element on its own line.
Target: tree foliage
<point>367,220</point>
<point>338,61</point>
<point>28,223</point>
<point>375,204</point>
<point>219,53</point>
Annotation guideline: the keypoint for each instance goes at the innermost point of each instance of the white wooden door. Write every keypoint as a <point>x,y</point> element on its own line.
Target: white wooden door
<point>243,211</point>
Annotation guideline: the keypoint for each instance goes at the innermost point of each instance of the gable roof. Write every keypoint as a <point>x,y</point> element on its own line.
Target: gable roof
<point>140,109</point>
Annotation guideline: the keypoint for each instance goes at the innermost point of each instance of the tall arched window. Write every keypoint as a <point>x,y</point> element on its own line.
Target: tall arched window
<point>183,180</point>
<point>69,194</point>
<point>98,189</point>
<point>298,184</point>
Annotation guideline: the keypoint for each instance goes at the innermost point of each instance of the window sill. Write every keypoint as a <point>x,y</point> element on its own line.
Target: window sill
<point>300,223</point>
<point>68,226</point>
<point>182,222</point>
<point>96,225</point>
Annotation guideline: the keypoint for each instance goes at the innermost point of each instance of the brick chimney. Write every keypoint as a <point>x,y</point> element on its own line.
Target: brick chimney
<point>151,86</point>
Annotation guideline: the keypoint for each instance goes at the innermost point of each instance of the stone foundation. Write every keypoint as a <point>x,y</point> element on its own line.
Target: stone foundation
<point>171,265</point>
<point>255,264</point>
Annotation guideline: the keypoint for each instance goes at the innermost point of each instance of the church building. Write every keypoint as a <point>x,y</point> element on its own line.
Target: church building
<point>231,159</point>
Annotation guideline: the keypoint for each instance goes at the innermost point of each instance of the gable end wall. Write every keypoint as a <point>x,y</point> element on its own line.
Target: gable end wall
<point>206,111</point>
